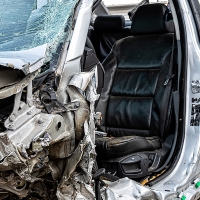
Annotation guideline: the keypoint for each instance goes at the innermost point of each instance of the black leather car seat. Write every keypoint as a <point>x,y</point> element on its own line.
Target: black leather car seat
<point>107,30</point>
<point>134,93</point>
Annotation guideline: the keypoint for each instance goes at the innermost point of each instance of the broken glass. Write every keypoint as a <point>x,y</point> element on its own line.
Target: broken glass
<point>27,27</point>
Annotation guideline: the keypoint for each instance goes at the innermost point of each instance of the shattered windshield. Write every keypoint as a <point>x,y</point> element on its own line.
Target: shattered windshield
<point>38,25</point>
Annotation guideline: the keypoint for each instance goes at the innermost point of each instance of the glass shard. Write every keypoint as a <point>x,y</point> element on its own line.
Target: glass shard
<point>28,24</point>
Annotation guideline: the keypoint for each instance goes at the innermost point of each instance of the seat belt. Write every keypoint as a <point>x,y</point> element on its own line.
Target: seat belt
<point>175,97</point>
<point>166,96</point>
<point>175,101</point>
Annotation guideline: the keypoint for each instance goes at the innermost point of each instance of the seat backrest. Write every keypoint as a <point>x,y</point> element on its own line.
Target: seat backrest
<point>135,73</point>
<point>107,30</point>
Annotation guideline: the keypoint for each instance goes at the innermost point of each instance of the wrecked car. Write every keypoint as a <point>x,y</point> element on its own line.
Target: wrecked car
<point>93,106</point>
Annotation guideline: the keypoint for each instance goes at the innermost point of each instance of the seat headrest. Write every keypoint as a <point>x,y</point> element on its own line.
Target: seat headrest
<point>149,19</point>
<point>109,23</point>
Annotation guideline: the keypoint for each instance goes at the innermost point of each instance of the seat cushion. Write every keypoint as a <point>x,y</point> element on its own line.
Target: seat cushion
<point>114,147</point>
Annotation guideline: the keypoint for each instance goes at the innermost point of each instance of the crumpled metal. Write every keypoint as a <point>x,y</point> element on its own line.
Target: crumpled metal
<point>48,158</point>
<point>77,177</point>
<point>11,183</point>
<point>81,114</point>
<point>127,189</point>
<point>17,167</point>
<point>9,155</point>
<point>87,82</point>
<point>30,164</point>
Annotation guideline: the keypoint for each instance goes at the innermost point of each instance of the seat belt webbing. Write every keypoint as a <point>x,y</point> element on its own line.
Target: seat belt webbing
<point>166,96</point>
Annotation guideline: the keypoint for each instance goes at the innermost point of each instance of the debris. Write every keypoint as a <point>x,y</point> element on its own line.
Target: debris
<point>43,150</point>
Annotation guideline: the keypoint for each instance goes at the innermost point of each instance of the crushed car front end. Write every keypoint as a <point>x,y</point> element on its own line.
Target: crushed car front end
<point>47,109</point>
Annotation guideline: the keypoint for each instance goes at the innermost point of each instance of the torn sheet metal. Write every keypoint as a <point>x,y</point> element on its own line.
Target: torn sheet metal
<point>17,159</point>
<point>81,80</point>
<point>30,141</point>
<point>127,189</point>
<point>11,182</point>
<point>27,60</point>
<point>81,114</point>
<point>38,149</point>
<point>9,156</point>
<point>28,153</point>
<point>77,177</point>
<point>85,82</point>
<point>92,97</point>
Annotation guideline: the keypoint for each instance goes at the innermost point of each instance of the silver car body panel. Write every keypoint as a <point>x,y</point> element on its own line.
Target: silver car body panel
<point>26,60</point>
<point>72,63</point>
<point>188,166</point>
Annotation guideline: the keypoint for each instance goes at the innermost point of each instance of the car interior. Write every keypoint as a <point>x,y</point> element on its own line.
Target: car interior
<point>138,70</point>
